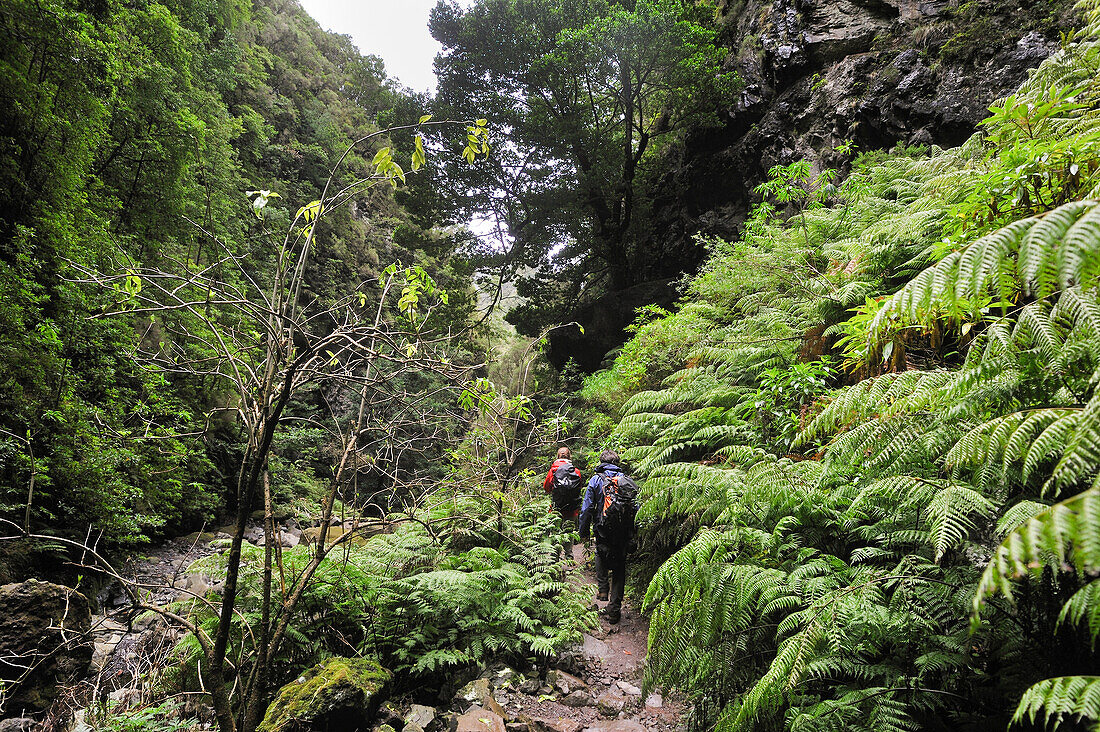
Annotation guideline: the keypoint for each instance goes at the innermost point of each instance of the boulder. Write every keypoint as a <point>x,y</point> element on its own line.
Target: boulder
<point>506,678</point>
<point>46,626</point>
<point>654,701</point>
<point>420,715</point>
<point>611,702</point>
<point>337,694</point>
<point>594,648</point>
<point>477,720</point>
<point>480,692</point>
<point>564,682</point>
<point>577,698</point>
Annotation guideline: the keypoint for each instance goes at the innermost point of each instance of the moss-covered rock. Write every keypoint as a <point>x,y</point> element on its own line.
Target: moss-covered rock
<point>338,694</point>
<point>43,642</point>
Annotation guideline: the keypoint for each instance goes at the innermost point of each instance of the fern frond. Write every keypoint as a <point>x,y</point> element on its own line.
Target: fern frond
<point>1051,699</point>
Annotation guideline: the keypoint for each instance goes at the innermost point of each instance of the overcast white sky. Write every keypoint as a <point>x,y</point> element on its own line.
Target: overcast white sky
<point>396,30</point>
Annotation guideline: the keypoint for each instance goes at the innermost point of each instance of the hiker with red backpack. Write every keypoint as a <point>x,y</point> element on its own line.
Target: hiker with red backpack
<point>610,504</point>
<point>563,483</point>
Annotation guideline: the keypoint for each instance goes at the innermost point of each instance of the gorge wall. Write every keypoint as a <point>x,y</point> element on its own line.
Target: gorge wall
<point>817,74</point>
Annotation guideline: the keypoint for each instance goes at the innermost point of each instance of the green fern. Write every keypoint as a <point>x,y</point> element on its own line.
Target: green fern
<point>1053,700</point>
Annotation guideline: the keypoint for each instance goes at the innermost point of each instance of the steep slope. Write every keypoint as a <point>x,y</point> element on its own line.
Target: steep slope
<point>871,476</point>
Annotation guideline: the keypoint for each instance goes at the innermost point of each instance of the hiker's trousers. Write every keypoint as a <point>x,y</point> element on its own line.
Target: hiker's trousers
<point>611,574</point>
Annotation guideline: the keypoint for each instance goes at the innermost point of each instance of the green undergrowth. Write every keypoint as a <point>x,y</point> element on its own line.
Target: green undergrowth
<point>870,495</point>
<point>446,589</point>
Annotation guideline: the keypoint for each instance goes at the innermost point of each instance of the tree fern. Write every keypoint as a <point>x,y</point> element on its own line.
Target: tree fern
<point>1068,696</point>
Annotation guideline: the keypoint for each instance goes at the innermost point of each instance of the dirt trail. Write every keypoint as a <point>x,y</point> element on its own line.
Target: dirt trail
<point>597,688</point>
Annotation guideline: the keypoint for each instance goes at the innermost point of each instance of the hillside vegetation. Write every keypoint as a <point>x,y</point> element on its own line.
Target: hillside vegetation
<point>870,436</point>
<point>148,136</point>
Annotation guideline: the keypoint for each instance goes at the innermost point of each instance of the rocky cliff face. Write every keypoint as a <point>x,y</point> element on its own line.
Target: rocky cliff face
<point>819,73</point>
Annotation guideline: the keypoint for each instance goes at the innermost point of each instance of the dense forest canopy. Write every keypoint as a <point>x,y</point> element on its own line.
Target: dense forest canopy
<point>589,93</point>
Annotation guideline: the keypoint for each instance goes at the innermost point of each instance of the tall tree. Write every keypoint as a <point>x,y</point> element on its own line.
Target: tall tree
<point>588,93</point>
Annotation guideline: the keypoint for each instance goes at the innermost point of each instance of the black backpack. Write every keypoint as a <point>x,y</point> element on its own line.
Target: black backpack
<point>615,518</point>
<point>567,489</point>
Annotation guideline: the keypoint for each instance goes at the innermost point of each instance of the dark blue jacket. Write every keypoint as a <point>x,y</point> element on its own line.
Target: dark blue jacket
<point>593,497</point>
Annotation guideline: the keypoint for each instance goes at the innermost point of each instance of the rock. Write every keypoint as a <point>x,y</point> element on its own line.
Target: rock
<point>197,584</point>
<point>594,648</point>
<point>506,678</point>
<point>529,686</point>
<point>573,661</point>
<point>384,728</point>
<point>46,625</point>
<point>420,715</point>
<point>390,713</point>
<point>101,652</point>
<point>629,688</point>
<point>289,540</point>
<point>611,702</point>
<point>477,720</point>
<point>518,727</point>
<point>564,682</point>
<point>339,693</point>
<point>619,725</point>
<point>410,727</point>
<point>539,724</point>
<point>478,691</point>
<point>18,724</point>
<point>577,698</point>
<point>125,696</point>
<point>654,701</point>
<point>204,537</point>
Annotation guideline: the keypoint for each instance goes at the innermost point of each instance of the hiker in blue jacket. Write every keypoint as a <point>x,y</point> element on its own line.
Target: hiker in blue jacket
<point>609,506</point>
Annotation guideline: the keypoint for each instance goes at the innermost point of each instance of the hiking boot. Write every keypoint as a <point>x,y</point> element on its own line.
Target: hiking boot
<point>602,596</point>
<point>612,617</point>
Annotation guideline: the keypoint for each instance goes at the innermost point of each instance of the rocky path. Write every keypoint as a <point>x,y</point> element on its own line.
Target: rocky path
<point>125,646</point>
<point>594,688</point>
